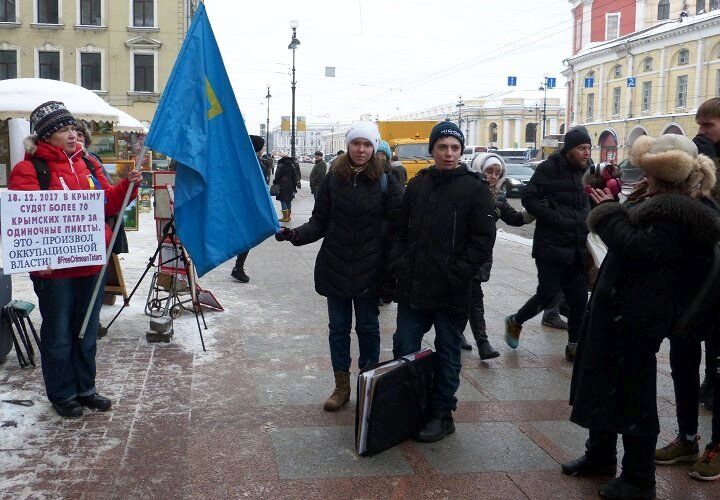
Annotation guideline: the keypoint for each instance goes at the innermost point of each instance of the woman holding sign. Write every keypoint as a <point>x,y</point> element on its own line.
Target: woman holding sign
<point>54,162</point>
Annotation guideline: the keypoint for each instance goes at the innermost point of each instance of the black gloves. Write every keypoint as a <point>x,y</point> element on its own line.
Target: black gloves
<point>705,146</point>
<point>287,234</point>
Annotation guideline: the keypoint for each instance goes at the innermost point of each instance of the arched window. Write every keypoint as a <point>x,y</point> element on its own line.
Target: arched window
<point>663,10</point>
<point>683,57</point>
<point>492,132</point>
<point>647,64</point>
<point>617,71</point>
<point>531,132</point>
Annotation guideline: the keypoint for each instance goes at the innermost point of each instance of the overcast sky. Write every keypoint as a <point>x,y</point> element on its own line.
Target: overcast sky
<point>391,56</point>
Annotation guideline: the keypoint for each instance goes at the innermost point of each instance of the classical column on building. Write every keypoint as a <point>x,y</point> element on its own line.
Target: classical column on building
<point>699,73</point>
<point>639,14</point>
<point>662,82</point>
<point>586,22</point>
<point>577,88</point>
<point>630,90</point>
<point>518,133</point>
<point>600,114</point>
<point>506,133</point>
<point>553,125</point>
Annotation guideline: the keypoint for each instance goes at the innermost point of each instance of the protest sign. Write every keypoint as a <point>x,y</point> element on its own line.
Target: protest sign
<point>55,229</point>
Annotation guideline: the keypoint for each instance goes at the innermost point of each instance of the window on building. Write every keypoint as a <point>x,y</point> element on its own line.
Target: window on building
<point>590,106</point>
<point>699,6</point>
<point>646,96</point>
<point>7,11</point>
<point>617,71</point>
<point>663,10</point>
<point>144,73</point>
<point>714,4</point>
<point>684,56</point>
<point>717,83</point>
<point>47,12</point>
<point>612,26</point>
<point>8,64</point>
<point>49,65</point>
<point>531,132</point>
<point>617,92</point>
<point>493,132</point>
<point>681,96</point>
<point>91,70</point>
<point>143,13</point>
<point>648,64</point>
<point>578,34</point>
<point>90,12</point>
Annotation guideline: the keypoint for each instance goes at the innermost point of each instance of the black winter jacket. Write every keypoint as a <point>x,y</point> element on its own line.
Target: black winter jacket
<point>653,268</point>
<point>506,213</point>
<point>444,232</point>
<point>556,198</point>
<point>286,177</point>
<point>352,216</point>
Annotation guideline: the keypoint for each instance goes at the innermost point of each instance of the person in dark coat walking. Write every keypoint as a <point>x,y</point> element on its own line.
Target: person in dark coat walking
<point>317,174</point>
<point>286,176</point>
<point>444,232</point>
<point>355,202</point>
<point>556,198</point>
<point>651,273</point>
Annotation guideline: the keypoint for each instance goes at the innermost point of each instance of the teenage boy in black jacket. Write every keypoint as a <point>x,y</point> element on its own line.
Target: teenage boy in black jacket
<point>444,232</point>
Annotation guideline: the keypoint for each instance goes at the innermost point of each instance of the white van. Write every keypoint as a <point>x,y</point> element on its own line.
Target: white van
<point>470,151</point>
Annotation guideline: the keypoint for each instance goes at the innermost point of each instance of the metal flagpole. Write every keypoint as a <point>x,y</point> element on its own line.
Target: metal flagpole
<point>116,229</point>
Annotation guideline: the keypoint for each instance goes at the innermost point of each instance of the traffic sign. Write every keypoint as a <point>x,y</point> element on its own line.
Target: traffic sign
<point>550,82</point>
<point>589,83</point>
<point>631,81</point>
<point>512,81</point>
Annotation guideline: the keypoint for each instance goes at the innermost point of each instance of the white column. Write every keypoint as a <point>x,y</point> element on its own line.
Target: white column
<point>586,22</point>
<point>630,90</point>
<point>518,132</point>
<point>18,130</point>
<point>639,14</point>
<point>662,83</point>
<point>577,88</point>
<point>699,73</point>
<point>553,125</point>
<point>506,133</point>
<point>599,110</point>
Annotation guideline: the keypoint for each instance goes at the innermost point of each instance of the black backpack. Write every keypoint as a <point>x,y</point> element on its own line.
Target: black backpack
<point>43,173</point>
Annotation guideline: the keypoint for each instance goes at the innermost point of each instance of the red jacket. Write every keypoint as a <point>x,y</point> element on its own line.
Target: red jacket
<point>68,172</point>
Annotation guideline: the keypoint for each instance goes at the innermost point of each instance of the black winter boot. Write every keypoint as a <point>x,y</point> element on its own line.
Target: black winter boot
<point>486,351</point>
<point>68,409</point>
<point>440,425</point>
<point>586,466</point>
<point>95,401</point>
<point>239,274</point>
<point>620,489</point>
<point>464,344</point>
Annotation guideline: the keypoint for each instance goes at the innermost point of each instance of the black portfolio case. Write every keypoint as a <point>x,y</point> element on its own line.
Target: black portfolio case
<point>6,343</point>
<point>399,404</point>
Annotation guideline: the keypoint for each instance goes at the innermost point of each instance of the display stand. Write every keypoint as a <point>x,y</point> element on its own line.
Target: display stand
<point>115,282</point>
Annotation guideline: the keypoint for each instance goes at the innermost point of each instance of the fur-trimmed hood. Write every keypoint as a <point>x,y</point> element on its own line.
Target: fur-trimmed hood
<point>701,221</point>
<point>41,149</point>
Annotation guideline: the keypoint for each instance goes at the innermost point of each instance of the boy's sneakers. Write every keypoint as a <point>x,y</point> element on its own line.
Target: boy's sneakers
<point>708,467</point>
<point>512,332</point>
<point>680,450</point>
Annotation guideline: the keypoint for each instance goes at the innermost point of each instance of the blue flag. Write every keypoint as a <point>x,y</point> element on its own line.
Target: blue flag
<point>222,204</point>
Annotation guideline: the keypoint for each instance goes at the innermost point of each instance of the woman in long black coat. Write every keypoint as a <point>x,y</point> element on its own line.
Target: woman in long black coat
<point>654,266</point>
<point>286,178</point>
<point>351,214</point>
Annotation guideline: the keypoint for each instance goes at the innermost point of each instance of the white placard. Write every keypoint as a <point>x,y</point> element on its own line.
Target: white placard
<point>55,229</point>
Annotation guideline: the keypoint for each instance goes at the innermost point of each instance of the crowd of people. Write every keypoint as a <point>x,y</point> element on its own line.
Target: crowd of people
<point>427,244</point>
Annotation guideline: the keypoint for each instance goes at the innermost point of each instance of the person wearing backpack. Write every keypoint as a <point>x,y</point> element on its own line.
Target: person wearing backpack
<point>354,203</point>
<point>656,246</point>
<point>54,161</point>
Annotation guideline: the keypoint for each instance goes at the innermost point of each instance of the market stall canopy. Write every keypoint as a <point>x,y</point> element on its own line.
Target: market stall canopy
<point>127,123</point>
<point>20,96</point>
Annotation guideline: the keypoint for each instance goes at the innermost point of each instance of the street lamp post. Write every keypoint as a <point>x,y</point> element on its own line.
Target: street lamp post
<point>459,106</point>
<point>267,123</point>
<point>294,42</point>
<point>543,88</point>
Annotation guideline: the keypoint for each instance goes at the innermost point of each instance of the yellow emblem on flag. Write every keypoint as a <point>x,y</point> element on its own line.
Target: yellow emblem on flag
<point>215,108</point>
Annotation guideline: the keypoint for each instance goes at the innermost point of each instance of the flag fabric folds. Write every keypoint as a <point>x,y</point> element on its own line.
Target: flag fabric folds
<point>222,204</point>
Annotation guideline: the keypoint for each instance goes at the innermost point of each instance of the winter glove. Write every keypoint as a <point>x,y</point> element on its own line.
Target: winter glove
<point>388,289</point>
<point>287,234</point>
<point>527,217</point>
<point>705,146</point>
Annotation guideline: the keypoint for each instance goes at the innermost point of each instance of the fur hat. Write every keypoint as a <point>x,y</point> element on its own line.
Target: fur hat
<point>85,130</point>
<point>257,142</point>
<point>446,129</point>
<point>484,160</point>
<point>363,130</point>
<point>703,176</point>
<point>384,147</point>
<point>50,117</point>
<point>670,158</point>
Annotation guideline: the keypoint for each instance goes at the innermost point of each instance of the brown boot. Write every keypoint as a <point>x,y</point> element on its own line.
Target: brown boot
<point>285,217</point>
<point>341,394</point>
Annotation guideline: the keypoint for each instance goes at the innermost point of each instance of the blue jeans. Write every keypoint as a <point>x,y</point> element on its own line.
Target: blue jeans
<point>412,325</point>
<point>367,328</point>
<point>286,205</point>
<point>68,362</point>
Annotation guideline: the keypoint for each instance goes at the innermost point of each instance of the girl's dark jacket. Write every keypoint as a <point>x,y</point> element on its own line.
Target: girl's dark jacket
<point>506,213</point>
<point>444,233</point>
<point>352,216</point>
<point>286,177</point>
<point>657,251</point>
<point>555,196</point>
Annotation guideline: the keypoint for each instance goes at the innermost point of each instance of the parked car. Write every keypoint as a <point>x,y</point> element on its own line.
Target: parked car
<point>516,179</point>
<point>470,151</point>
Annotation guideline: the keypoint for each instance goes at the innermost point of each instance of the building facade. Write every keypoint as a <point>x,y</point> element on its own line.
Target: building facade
<point>123,50</point>
<point>650,82</point>
<point>504,120</point>
<point>309,137</point>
